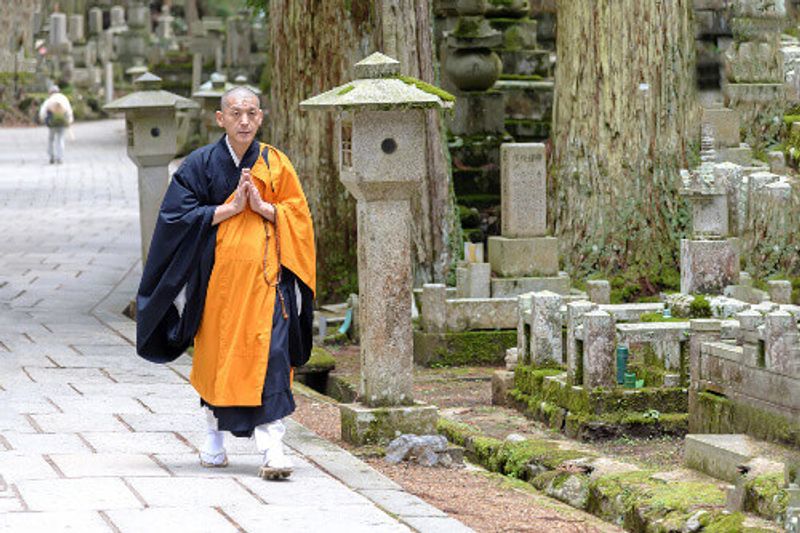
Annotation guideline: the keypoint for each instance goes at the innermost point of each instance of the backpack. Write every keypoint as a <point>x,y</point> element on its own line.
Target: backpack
<point>56,116</point>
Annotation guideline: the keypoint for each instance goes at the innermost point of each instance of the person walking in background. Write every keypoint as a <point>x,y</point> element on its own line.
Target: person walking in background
<point>56,114</point>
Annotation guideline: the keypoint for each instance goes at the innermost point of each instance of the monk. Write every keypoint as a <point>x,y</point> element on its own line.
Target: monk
<point>231,268</point>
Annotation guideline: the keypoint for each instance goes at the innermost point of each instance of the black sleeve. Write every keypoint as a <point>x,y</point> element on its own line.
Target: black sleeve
<point>300,325</point>
<point>181,254</point>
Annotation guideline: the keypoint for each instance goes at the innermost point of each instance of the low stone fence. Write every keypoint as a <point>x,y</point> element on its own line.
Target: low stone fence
<point>750,385</point>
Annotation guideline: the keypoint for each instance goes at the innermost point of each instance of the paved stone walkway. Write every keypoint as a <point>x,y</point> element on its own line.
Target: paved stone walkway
<point>91,437</point>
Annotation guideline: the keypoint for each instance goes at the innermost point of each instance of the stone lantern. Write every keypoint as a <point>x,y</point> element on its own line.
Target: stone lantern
<point>380,133</point>
<point>152,134</point>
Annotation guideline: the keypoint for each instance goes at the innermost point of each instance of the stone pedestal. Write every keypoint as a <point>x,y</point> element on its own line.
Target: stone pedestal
<point>524,257</point>
<point>367,425</point>
<point>708,266</point>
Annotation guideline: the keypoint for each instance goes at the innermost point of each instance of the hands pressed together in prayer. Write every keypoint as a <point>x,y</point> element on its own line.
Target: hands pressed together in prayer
<point>247,195</point>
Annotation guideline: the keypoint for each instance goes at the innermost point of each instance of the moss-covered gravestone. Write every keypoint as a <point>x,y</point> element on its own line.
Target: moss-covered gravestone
<point>381,137</point>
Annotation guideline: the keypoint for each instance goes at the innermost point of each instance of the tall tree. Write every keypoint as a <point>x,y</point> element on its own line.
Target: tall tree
<point>625,120</point>
<point>313,47</point>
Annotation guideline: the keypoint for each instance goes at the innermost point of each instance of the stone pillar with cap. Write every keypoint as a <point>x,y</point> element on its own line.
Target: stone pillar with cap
<point>152,143</point>
<point>381,139</point>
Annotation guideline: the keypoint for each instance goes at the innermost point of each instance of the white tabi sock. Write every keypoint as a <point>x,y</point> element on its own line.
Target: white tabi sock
<point>215,439</point>
<point>269,440</point>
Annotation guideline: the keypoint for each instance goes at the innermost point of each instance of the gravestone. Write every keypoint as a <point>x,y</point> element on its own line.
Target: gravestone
<point>524,256</point>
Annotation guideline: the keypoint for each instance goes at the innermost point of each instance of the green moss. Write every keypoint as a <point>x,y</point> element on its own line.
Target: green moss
<point>346,89</point>
<point>487,347</point>
<point>732,523</point>
<point>336,338</point>
<point>700,307</point>
<point>470,217</point>
<point>320,360</point>
<point>658,317</point>
<point>521,77</point>
<point>456,432</point>
<point>428,88</point>
<point>468,27</point>
<point>766,496</point>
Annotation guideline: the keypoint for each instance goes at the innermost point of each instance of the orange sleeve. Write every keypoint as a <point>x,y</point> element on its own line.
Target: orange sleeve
<point>293,222</point>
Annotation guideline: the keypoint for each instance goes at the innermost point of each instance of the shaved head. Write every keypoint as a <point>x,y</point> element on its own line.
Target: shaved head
<point>235,94</point>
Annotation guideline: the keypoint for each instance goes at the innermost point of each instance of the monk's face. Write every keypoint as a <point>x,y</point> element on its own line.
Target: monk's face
<point>240,118</point>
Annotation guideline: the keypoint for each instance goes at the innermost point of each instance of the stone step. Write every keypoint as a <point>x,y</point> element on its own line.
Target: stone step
<point>727,457</point>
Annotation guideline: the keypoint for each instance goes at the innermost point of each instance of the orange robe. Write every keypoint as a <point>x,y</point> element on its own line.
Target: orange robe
<point>231,348</point>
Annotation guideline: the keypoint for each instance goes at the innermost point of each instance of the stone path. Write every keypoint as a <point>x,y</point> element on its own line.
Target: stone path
<point>91,437</point>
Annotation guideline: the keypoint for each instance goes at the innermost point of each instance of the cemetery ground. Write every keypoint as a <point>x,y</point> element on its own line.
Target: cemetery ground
<point>493,493</point>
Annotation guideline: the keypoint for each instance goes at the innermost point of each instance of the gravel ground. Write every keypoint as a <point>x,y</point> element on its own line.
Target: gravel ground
<point>485,502</point>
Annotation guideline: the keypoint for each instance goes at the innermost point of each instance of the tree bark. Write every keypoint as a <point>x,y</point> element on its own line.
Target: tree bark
<point>625,122</point>
<point>313,48</point>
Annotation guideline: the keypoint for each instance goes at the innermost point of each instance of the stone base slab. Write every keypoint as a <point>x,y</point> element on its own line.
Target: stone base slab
<point>373,425</point>
<point>512,287</point>
<point>523,257</point>
<point>719,456</point>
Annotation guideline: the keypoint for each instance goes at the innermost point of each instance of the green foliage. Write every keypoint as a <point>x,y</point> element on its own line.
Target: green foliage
<point>658,317</point>
<point>470,217</point>
<point>700,307</point>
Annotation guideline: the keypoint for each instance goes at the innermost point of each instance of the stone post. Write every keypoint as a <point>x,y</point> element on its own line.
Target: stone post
<point>108,74</point>
<point>749,338</point>
<point>434,307</point>
<point>599,343</point>
<point>598,291</point>
<point>546,342</point>
<point>524,303</point>
<point>197,71</point>
<point>780,338</point>
<point>382,146</point>
<point>701,330</point>
<point>780,291</point>
<point>575,314</point>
